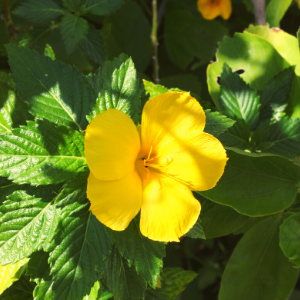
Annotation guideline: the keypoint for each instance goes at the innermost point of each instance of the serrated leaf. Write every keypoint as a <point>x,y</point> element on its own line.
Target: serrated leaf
<point>20,290</point>
<point>102,7</point>
<point>216,123</point>
<point>121,279</point>
<point>74,5</point>
<point>93,46</point>
<point>146,255</point>
<point>290,238</point>
<point>118,88</point>
<point>53,90</point>
<point>11,273</point>
<point>81,244</point>
<point>154,89</point>
<point>283,138</point>
<point>6,188</point>
<point>49,52</point>
<point>73,29</point>
<point>26,222</point>
<point>173,282</point>
<point>237,100</point>
<point>274,96</point>
<point>41,153</point>
<point>41,11</point>
<point>196,232</point>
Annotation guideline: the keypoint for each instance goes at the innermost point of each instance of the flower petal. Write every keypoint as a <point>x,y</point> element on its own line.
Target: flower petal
<point>198,160</point>
<point>111,145</point>
<point>169,209</point>
<point>208,10</point>
<point>115,203</point>
<point>167,117</point>
<point>226,9</point>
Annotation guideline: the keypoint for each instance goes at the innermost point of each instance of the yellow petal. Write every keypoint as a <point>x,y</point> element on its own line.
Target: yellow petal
<point>169,209</point>
<point>198,160</point>
<point>208,10</point>
<point>167,117</point>
<point>111,145</point>
<point>226,9</point>
<point>115,203</point>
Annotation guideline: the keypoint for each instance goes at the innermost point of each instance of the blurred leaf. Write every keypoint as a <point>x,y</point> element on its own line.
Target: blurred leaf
<point>173,282</point>
<point>76,6</point>
<point>123,280</point>
<point>49,52</point>
<point>128,31</point>
<point>276,10</point>
<point>41,153</point>
<point>219,220</point>
<point>118,87</point>
<point>188,36</point>
<point>257,268</point>
<point>26,222</point>
<point>237,99</point>
<point>20,290</point>
<point>73,30</point>
<point>146,255</point>
<point>39,11</point>
<point>11,273</point>
<point>92,45</point>
<point>196,232</point>
<point>81,244</point>
<point>274,96</point>
<point>290,238</point>
<point>102,7</point>
<point>251,53</point>
<point>53,90</point>
<point>256,186</point>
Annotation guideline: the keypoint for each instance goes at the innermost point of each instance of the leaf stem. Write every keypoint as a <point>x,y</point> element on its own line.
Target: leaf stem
<point>8,21</point>
<point>259,12</point>
<point>155,42</point>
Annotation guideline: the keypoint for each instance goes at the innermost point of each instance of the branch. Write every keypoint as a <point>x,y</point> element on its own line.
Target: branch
<point>7,20</point>
<point>259,12</point>
<point>154,42</point>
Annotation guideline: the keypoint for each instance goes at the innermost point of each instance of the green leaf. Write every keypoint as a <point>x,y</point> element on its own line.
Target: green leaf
<point>122,280</point>
<point>6,188</point>
<point>76,6</point>
<point>146,255</point>
<point>49,52</point>
<point>196,232</point>
<point>41,11</point>
<point>13,112</point>
<point>282,138</point>
<point>20,290</point>
<point>237,99</point>
<point>132,39</point>
<point>256,186</point>
<point>41,153</point>
<point>102,7</point>
<point>276,10</point>
<point>188,37</point>
<point>81,244</point>
<point>216,123</point>
<point>251,53</point>
<point>219,220</point>
<point>93,46</point>
<point>118,88</point>
<point>27,221</point>
<point>290,238</point>
<point>154,89</point>
<point>53,90</point>
<point>173,282</point>
<point>73,30</point>
<point>257,269</point>
<point>274,96</point>
<point>11,273</point>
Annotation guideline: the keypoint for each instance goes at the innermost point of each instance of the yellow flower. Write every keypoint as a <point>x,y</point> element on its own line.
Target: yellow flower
<point>210,9</point>
<point>152,168</point>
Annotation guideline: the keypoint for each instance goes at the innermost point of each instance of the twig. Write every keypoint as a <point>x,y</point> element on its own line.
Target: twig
<point>154,42</point>
<point>8,21</point>
<point>259,12</point>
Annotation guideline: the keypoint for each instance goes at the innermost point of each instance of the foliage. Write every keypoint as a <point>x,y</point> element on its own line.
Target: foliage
<point>62,62</point>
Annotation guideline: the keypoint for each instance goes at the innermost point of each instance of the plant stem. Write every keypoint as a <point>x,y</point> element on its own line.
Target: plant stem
<point>259,12</point>
<point>155,42</point>
<point>8,21</point>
